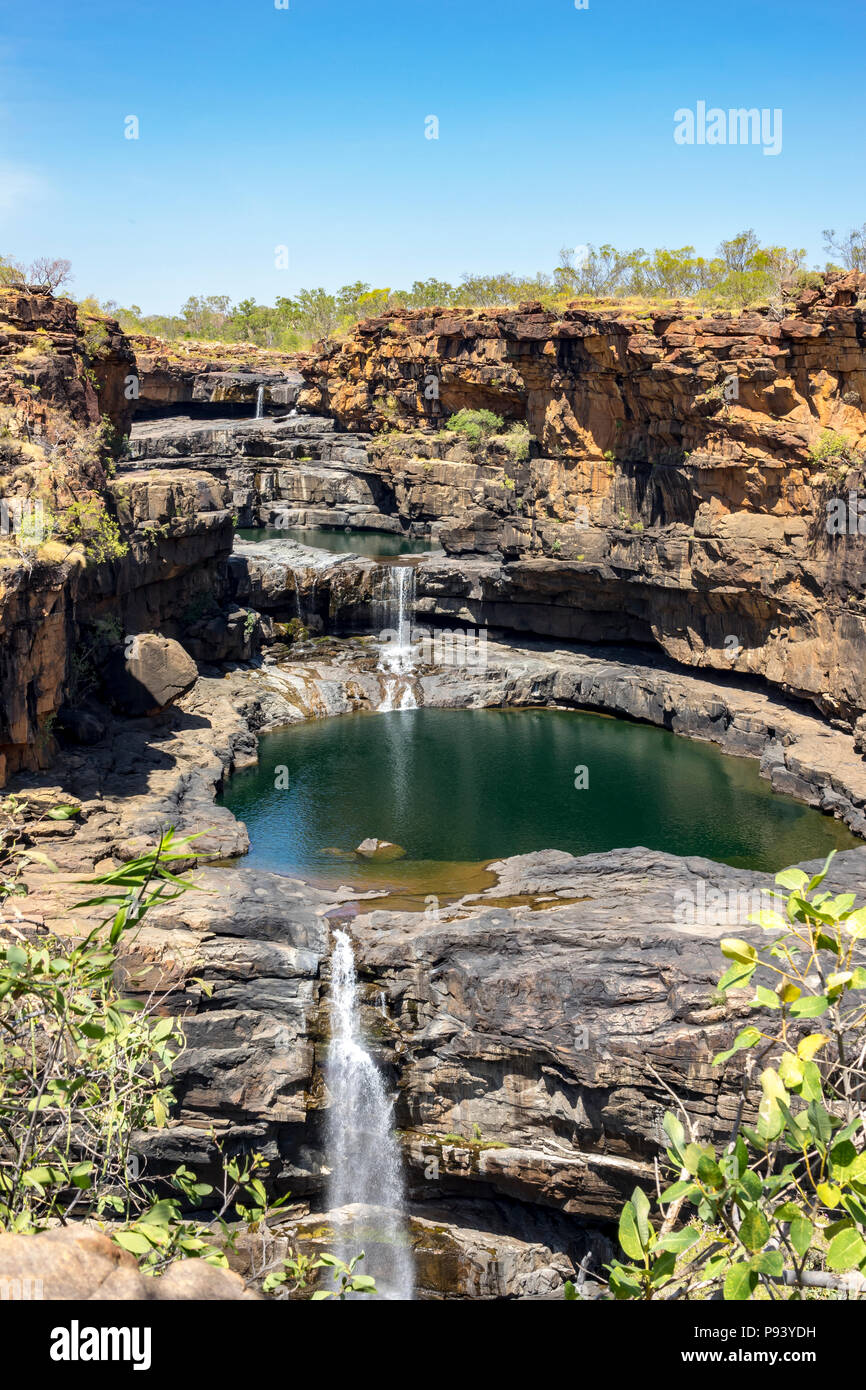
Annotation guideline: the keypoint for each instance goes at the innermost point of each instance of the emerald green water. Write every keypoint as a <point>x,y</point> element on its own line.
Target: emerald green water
<point>374,545</point>
<point>455,787</point>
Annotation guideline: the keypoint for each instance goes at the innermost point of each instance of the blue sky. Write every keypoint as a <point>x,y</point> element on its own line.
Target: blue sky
<point>304,127</point>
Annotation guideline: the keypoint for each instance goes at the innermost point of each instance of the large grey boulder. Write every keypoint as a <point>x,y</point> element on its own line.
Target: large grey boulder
<point>150,673</point>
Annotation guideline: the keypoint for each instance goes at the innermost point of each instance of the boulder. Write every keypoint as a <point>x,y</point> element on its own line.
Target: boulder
<point>193,1279</point>
<point>154,673</point>
<point>380,850</point>
<point>83,1265</point>
<point>72,1263</point>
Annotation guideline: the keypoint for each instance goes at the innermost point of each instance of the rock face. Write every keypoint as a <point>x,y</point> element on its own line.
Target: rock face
<point>35,628</point>
<point>286,580</point>
<point>601,378</point>
<point>173,578</point>
<point>180,534</point>
<point>217,374</point>
<point>283,471</point>
<point>61,373</point>
<point>79,362</point>
<point>678,488</point>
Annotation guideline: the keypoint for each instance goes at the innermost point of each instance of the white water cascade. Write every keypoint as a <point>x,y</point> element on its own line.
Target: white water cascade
<point>305,611</point>
<point>396,601</point>
<point>362,1151</point>
<point>260,403</point>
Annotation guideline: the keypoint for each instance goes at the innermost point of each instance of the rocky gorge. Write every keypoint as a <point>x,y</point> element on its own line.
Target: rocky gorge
<point>654,549</point>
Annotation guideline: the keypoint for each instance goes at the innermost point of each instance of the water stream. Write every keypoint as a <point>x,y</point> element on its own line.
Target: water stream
<point>260,403</point>
<point>362,1150</point>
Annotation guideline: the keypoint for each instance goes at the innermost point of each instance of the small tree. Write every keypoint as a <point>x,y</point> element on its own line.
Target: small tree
<point>12,273</point>
<point>49,273</point>
<point>851,248</point>
<point>781,1208</point>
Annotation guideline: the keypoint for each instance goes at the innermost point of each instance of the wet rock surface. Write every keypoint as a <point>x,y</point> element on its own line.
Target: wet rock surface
<point>495,1252</point>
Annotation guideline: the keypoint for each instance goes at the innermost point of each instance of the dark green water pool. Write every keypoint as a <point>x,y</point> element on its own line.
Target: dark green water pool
<point>456,787</point>
<point>374,545</point>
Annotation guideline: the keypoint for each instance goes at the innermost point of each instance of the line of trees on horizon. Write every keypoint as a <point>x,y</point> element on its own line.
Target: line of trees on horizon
<point>743,272</point>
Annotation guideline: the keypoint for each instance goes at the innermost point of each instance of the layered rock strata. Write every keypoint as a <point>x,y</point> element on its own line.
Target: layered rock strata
<point>678,485</point>
<point>283,471</point>
<point>213,375</point>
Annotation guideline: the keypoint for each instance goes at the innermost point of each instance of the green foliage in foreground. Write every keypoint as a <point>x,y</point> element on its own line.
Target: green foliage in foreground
<point>81,1068</point>
<point>84,1070</point>
<point>780,1211</point>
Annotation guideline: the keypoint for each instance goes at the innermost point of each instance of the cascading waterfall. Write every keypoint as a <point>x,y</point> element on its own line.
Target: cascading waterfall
<point>362,1151</point>
<point>260,403</point>
<point>305,612</point>
<point>396,603</point>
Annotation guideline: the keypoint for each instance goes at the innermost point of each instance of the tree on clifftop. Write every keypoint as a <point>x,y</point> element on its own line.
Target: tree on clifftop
<point>851,249</point>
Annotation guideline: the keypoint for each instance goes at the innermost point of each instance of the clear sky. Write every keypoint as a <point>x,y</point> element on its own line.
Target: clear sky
<point>305,127</point>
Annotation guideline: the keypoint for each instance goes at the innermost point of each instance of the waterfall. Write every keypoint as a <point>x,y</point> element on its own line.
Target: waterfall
<point>362,1152</point>
<point>396,601</point>
<point>260,403</point>
<point>396,604</point>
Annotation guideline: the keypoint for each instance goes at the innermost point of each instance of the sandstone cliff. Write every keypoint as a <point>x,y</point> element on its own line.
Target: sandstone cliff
<point>677,488</point>
<point>67,388</point>
<point>218,374</point>
<point>63,399</point>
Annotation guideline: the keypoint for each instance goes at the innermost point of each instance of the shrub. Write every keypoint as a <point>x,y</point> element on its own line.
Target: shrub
<point>832,448</point>
<point>91,525</point>
<point>95,339</point>
<point>12,273</point>
<point>83,1070</point>
<point>517,440</point>
<point>475,424</point>
<point>808,280</point>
